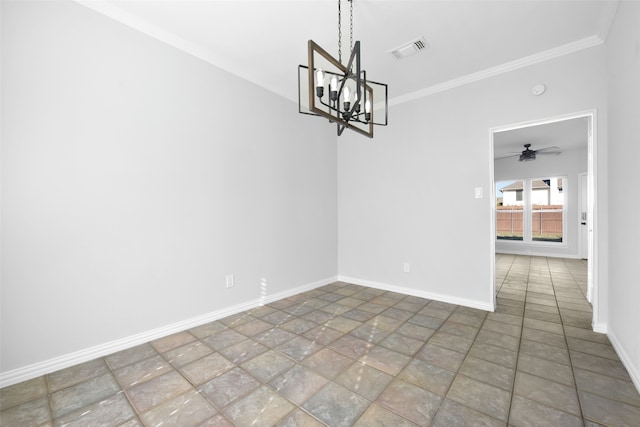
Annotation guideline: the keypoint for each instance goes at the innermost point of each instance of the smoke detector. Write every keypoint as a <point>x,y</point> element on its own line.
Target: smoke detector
<point>409,48</point>
<point>538,89</point>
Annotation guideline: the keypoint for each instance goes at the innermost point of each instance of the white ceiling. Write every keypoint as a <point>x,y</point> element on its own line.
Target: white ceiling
<point>263,41</point>
<point>566,135</point>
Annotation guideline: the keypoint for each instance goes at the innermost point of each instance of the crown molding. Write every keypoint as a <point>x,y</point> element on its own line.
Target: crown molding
<point>526,61</point>
<point>606,19</point>
<point>110,10</point>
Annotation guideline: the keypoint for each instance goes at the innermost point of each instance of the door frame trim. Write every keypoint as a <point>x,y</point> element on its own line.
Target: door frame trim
<point>581,242</point>
<point>592,204</point>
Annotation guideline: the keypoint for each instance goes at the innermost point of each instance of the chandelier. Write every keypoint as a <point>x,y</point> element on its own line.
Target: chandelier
<point>338,92</point>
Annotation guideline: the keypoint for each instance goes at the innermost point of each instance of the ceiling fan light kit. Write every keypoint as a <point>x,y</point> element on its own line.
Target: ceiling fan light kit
<point>341,93</point>
<point>528,154</point>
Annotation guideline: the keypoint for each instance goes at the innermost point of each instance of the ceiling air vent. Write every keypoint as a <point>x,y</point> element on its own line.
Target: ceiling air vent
<point>410,48</point>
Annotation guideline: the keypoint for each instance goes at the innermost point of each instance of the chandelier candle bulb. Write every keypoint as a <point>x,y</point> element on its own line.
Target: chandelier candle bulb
<point>334,84</point>
<point>334,88</point>
<point>320,83</point>
<point>346,95</point>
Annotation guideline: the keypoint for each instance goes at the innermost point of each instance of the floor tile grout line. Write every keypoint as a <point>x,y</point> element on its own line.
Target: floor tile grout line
<point>515,372</point>
<point>394,377</point>
<point>196,387</point>
<point>570,366</point>
<point>297,363</point>
<point>535,275</point>
<point>574,278</point>
<point>435,414</point>
<point>48,395</point>
<point>564,335</point>
<point>456,373</point>
<point>261,382</point>
<point>193,386</point>
<point>575,284</point>
<point>586,369</point>
<point>467,355</point>
<point>573,369</point>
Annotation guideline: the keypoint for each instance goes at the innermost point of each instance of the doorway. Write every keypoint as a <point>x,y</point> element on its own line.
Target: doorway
<point>558,152</point>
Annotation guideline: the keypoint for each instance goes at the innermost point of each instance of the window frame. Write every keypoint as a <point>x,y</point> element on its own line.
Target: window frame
<point>527,212</point>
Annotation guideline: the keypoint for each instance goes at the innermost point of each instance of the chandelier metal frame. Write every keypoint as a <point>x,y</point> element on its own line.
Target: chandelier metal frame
<point>345,97</point>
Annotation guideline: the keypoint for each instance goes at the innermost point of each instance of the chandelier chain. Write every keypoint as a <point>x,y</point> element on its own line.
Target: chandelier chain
<point>339,32</point>
<point>351,26</point>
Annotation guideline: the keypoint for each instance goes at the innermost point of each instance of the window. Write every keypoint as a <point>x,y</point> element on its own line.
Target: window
<point>531,210</point>
<point>509,210</point>
<point>547,210</point>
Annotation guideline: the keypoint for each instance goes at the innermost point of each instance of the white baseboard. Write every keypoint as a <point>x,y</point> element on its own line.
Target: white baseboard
<point>633,370</point>
<point>418,293</point>
<point>600,327</point>
<point>529,252</point>
<point>48,366</point>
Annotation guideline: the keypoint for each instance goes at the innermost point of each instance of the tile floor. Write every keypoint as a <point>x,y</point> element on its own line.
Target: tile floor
<point>345,355</point>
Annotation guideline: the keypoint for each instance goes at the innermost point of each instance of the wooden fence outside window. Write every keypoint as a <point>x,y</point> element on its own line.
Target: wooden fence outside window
<point>546,222</point>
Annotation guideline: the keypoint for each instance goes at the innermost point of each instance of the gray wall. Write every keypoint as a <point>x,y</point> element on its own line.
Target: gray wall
<point>409,196</point>
<point>623,66</point>
<point>136,177</point>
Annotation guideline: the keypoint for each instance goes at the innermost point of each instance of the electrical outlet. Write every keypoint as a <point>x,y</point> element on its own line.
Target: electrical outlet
<point>406,267</point>
<point>230,281</point>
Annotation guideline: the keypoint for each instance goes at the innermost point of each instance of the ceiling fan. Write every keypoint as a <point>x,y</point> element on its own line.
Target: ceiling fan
<point>528,154</point>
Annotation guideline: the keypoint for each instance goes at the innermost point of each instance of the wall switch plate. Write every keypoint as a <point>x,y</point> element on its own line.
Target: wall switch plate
<point>406,267</point>
<point>479,194</point>
<point>230,281</point>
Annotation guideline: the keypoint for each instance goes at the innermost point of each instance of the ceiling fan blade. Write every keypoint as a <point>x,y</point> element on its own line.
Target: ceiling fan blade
<point>506,157</point>
<point>555,153</point>
<point>547,149</point>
